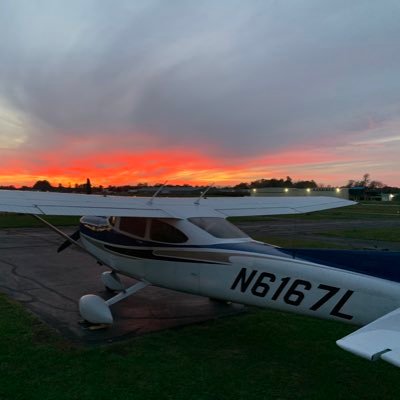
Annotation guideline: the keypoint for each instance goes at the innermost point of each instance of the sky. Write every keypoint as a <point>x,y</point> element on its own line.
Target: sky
<point>195,92</point>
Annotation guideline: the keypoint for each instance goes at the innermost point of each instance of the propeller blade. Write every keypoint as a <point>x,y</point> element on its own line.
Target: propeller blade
<point>75,237</point>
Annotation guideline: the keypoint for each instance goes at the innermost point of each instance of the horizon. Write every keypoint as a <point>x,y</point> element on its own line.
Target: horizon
<point>196,93</point>
<point>252,184</point>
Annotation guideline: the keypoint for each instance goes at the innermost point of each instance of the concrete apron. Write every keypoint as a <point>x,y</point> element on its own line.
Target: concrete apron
<point>50,285</point>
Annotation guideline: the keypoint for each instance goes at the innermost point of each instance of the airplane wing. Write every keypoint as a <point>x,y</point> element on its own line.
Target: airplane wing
<point>46,203</point>
<point>253,206</point>
<point>379,339</point>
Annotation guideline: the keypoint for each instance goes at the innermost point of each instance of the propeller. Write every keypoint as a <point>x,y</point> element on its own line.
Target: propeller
<point>74,237</point>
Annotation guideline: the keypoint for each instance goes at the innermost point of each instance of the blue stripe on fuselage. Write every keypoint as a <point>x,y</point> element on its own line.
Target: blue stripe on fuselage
<point>380,264</point>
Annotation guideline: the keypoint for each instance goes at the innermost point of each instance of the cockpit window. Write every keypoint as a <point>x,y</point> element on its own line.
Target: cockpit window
<point>134,225</point>
<point>218,227</point>
<point>162,232</point>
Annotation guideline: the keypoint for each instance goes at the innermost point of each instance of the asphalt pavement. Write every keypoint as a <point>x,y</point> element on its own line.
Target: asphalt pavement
<point>50,285</point>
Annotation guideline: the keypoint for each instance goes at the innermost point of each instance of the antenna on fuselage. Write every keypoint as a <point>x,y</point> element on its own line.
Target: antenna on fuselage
<point>150,202</point>
<point>197,202</point>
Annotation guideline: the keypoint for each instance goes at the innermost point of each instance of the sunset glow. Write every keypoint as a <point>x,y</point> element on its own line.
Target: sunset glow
<point>186,166</point>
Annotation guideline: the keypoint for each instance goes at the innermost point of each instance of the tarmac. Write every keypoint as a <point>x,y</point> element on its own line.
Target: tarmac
<point>50,284</point>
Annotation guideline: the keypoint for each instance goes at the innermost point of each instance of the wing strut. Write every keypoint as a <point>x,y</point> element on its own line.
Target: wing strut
<point>150,202</point>
<point>197,202</point>
<point>61,233</point>
<point>70,239</point>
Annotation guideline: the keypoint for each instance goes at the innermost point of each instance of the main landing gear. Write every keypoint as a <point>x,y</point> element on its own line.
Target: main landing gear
<point>96,310</point>
<point>111,281</point>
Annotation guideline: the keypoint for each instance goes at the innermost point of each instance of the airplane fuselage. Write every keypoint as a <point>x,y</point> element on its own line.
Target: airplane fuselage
<point>253,273</point>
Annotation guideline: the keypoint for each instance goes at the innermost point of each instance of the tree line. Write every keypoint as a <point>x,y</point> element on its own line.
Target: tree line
<point>274,182</point>
<point>46,186</point>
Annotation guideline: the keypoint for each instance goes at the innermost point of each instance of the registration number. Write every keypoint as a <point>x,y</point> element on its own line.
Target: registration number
<point>291,291</point>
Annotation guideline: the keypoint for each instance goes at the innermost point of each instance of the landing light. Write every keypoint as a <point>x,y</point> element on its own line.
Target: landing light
<point>286,190</point>
<point>308,190</point>
<point>337,190</point>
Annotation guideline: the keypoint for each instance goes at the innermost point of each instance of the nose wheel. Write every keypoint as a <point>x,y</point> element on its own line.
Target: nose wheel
<point>97,311</point>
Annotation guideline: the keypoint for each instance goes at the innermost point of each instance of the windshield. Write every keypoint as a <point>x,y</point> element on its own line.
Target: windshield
<point>218,227</point>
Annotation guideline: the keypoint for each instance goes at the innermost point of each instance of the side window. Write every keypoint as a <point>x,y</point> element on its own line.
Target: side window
<point>218,227</point>
<point>162,232</point>
<point>134,225</point>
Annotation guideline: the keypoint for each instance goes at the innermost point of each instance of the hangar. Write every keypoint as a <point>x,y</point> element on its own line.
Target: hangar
<point>342,193</point>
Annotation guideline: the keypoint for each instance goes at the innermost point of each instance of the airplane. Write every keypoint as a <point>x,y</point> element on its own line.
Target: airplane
<point>188,245</point>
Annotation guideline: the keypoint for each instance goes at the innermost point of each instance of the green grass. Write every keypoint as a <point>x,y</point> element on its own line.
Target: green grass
<point>365,210</point>
<point>377,234</point>
<point>295,242</point>
<point>260,355</point>
<point>391,235</point>
<point>361,211</point>
<point>28,221</point>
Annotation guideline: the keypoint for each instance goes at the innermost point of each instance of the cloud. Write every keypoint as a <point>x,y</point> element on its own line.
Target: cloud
<point>230,79</point>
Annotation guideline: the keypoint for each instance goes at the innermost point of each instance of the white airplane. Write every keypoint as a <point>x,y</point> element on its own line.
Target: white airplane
<point>188,245</point>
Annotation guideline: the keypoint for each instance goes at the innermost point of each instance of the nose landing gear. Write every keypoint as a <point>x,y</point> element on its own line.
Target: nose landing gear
<point>96,310</point>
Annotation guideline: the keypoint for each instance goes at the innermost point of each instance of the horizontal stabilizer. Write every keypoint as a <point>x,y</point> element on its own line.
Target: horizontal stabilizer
<point>379,339</point>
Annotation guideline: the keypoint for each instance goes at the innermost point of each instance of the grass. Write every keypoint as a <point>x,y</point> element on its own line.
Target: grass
<point>392,235</point>
<point>364,210</point>
<point>28,221</point>
<point>375,234</point>
<point>295,242</point>
<point>264,354</point>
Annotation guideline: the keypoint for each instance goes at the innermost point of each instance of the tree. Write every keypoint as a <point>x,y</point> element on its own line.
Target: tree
<point>242,185</point>
<point>88,186</point>
<point>376,185</point>
<point>350,183</point>
<point>43,186</point>
<point>365,182</point>
<point>305,184</point>
<point>288,182</point>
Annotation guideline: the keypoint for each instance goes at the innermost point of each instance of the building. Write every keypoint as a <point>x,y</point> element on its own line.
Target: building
<point>342,193</point>
<point>360,193</point>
